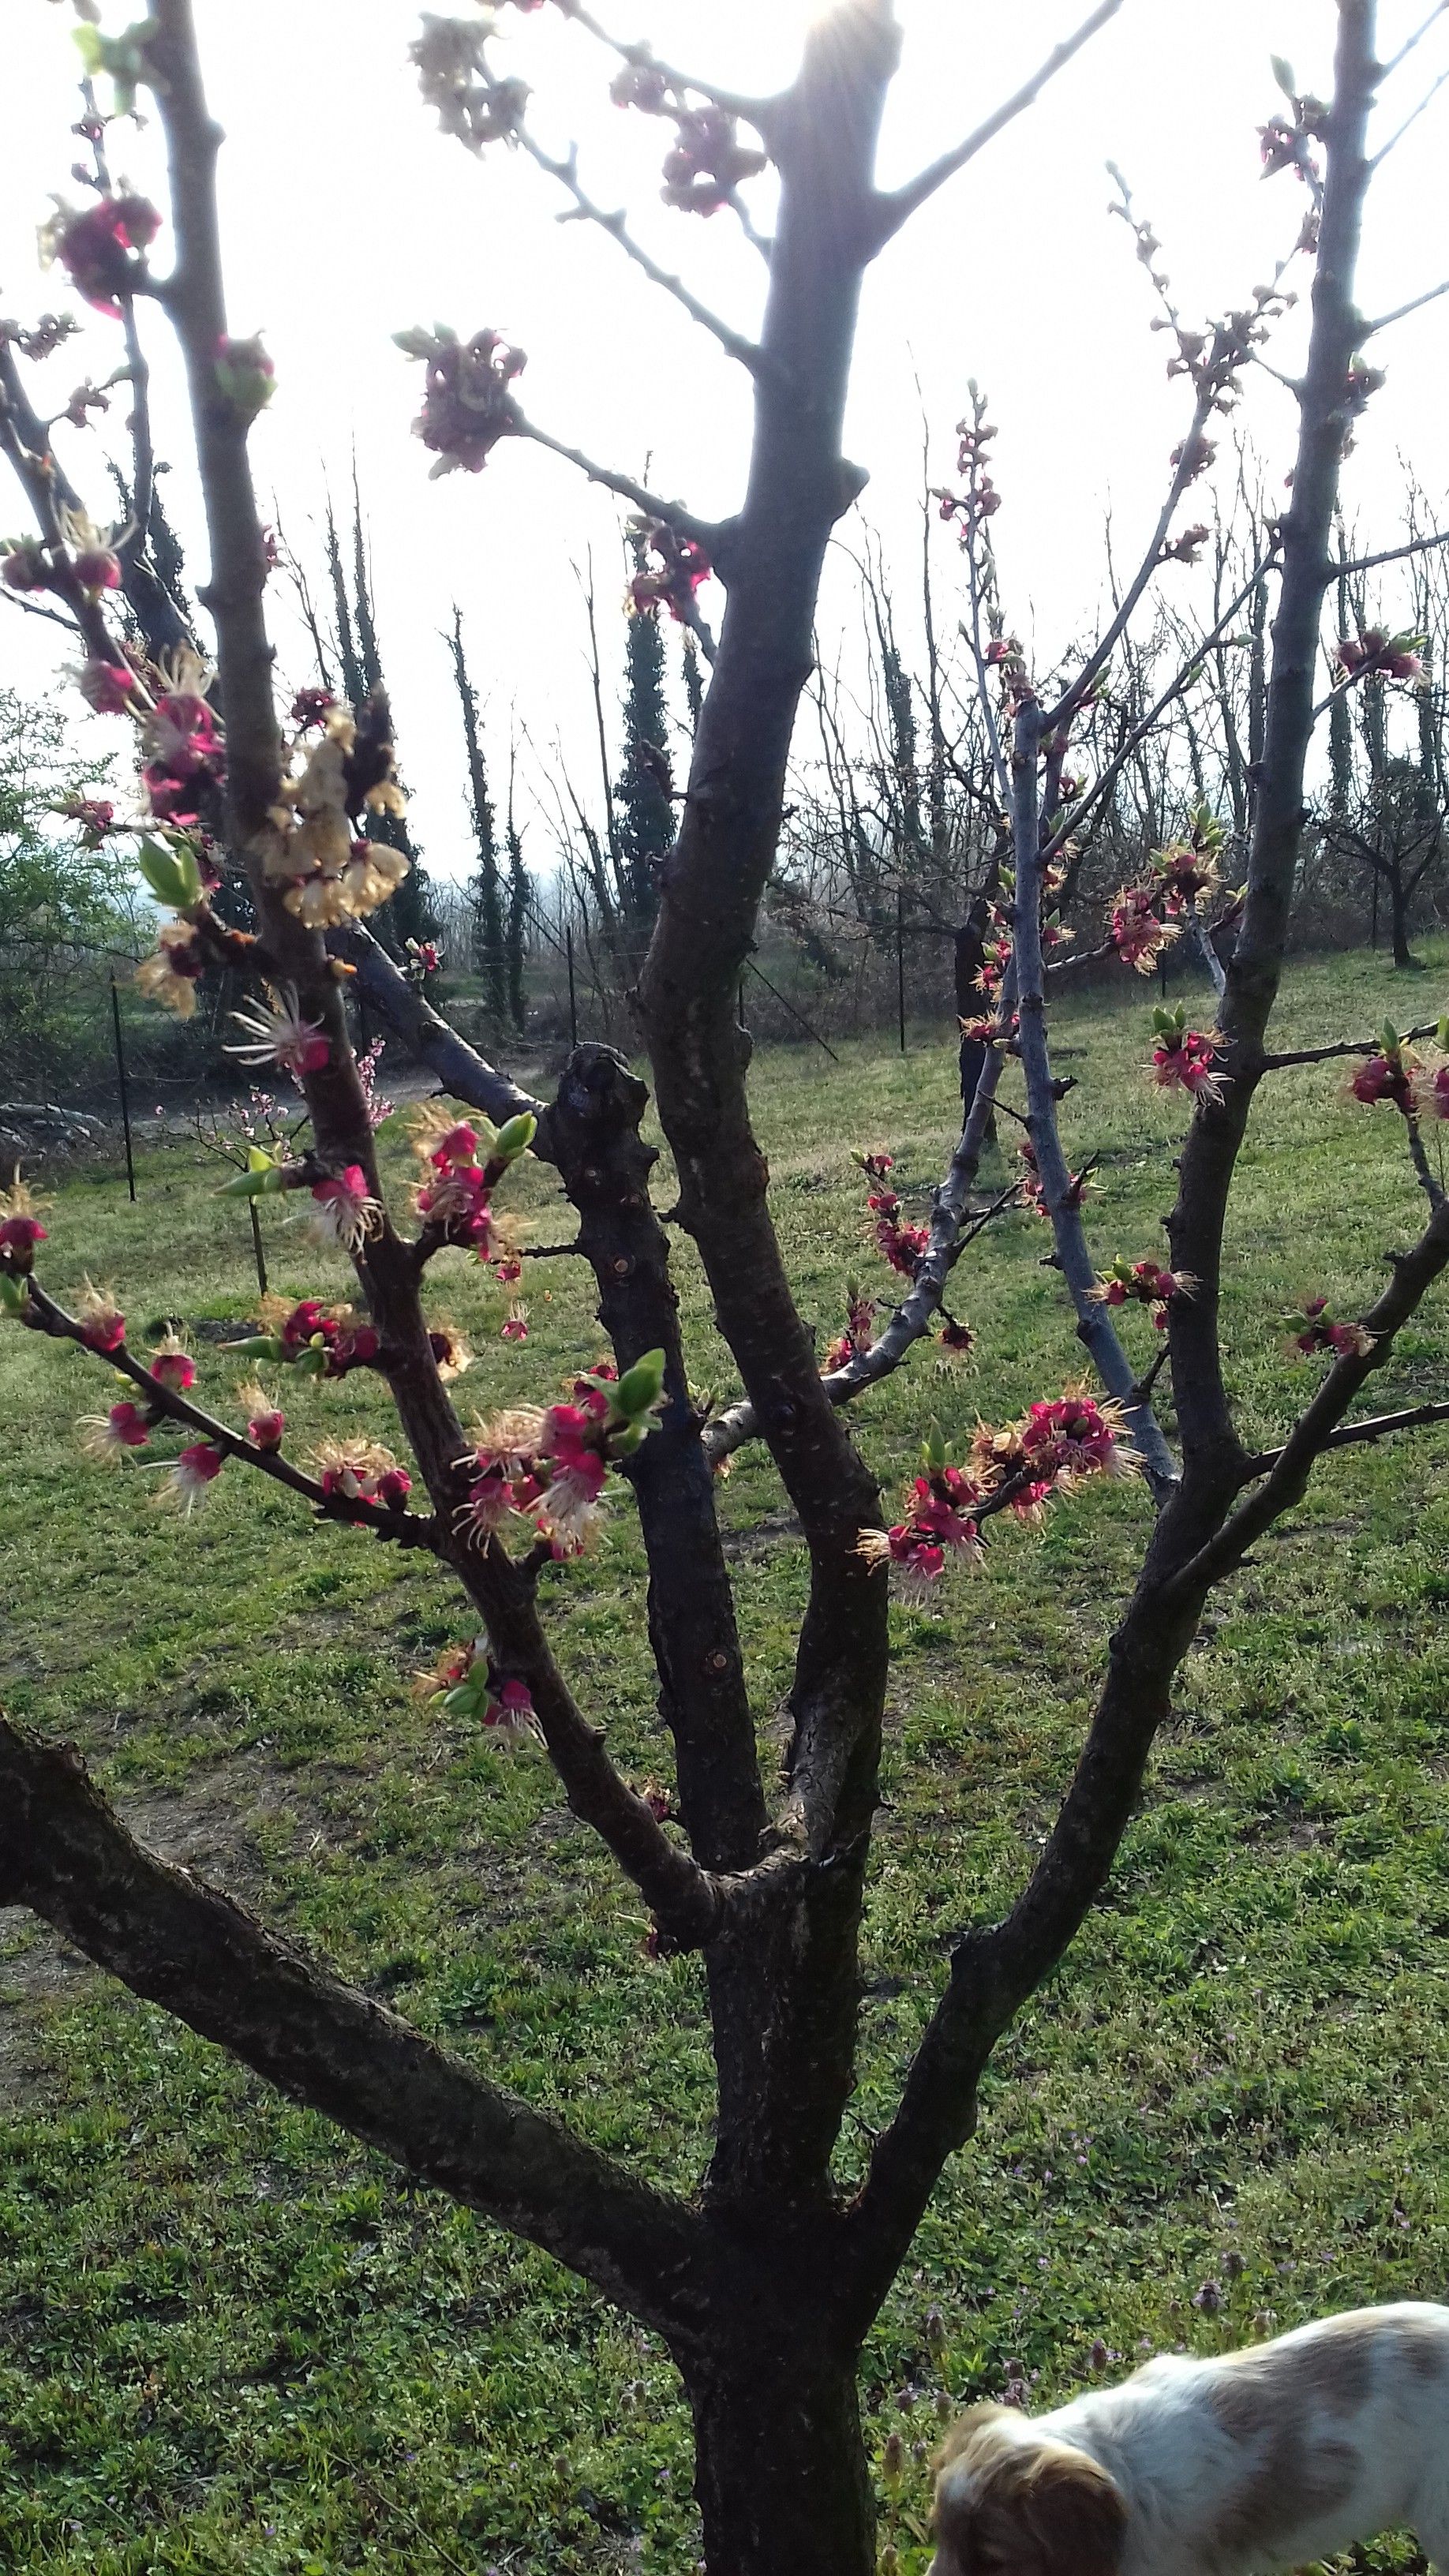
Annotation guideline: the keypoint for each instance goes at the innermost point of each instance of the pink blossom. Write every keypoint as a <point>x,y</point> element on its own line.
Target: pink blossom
<point>195,1469</point>
<point>108,688</point>
<point>106,1435</point>
<point>277,1034</point>
<point>346,1212</point>
<point>96,248</point>
<point>175,1370</point>
<point>508,1712</point>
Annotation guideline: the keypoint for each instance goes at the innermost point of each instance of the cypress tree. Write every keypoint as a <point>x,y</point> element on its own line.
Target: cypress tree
<point>643,795</point>
<point>409,913</point>
<point>488,935</point>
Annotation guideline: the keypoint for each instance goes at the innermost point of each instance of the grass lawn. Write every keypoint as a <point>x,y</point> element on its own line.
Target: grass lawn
<point>229,2340</point>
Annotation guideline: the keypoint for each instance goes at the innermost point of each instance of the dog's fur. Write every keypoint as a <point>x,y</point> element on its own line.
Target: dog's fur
<point>1256,2462</point>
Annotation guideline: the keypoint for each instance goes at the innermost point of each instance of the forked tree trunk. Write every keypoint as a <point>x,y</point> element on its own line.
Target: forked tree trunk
<point>781,2475</point>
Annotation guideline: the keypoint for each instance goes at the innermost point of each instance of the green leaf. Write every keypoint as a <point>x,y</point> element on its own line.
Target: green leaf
<point>640,1387</point>
<point>934,1446</point>
<point>1283,74</point>
<point>261,1174</point>
<point>257,1346</point>
<point>171,872</point>
<point>515,1137</point>
<point>14,1294</point>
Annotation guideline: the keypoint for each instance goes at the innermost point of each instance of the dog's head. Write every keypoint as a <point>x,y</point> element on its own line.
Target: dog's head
<point>1011,2503</point>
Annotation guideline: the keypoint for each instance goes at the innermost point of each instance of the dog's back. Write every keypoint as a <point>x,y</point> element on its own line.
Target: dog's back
<point>1234,2465</point>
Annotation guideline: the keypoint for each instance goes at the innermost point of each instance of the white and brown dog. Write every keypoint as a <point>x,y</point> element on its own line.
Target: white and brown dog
<point>1257,2461</point>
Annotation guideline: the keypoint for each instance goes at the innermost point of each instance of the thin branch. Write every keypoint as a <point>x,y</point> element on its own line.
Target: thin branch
<point>1185,473</point>
<point>1286,1481</point>
<point>704,532</point>
<point>1424,1171</point>
<point>1412,118</point>
<point>462,1072</point>
<point>1349,1435</point>
<point>565,171</point>
<point>755,111</point>
<point>1393,554</point>
<point>1417,38</point>
<point>408,1529</point>
<point>895,208</point>
<point>1060,1192</point>
<point>1430,295</point>
<point>1341,1046</point>
<point>33,608</point>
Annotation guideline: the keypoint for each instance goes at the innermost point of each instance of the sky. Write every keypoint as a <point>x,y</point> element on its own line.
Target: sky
<point>347,216</point>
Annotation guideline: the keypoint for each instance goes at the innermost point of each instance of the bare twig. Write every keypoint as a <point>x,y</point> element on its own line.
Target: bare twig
<point>565,171</point>
<point>704,532</point>
<point>1430,295</point>
<point>1393,554</point>
<point>895,208</point>
<point>1341,1046</point>
<point>1409,43</point>
<point>1411,119</point>
<point>1350,1435</point>
<point>755,111</point>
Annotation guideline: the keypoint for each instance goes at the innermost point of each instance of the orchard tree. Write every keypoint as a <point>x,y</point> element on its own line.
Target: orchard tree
<point>763,2284</point>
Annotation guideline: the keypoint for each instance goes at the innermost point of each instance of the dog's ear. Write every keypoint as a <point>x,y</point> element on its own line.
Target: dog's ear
<point>1075,2514</point>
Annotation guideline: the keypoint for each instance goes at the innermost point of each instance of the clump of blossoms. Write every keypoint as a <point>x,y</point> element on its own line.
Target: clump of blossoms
<point>1033,1188</point>
<point>904,1246</point>
<point>1184,1059</point>
<point>1144,1283</point>
<point>939,1526</point>
<point>185,752</point>
<point>1056,1446</point>
<point>859,1318</point>
<point>707,160</point>
<point>309,845</point>
<point>547,1466</point>
<point>1374,655</point>
<point>680,565</point>
<point>102,247</point>
<point>1148,916</point>
<point>1390,1073</point>
<point>360,1471</point>
<point>1313,1327</point>
<point>456,1195</point>
<point>1139,931</point>
<point>468,402</point>
<point>995,954</point>
<point>465,1682</point>
<point>316,1340</point>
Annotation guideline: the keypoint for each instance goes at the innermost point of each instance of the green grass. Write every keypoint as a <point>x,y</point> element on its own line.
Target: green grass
<point>230,2340</point>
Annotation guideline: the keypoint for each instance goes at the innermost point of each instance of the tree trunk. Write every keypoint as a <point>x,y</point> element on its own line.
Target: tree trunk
<point>1399,903</point>
<point>781,2476</point>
